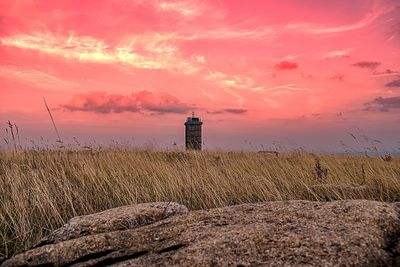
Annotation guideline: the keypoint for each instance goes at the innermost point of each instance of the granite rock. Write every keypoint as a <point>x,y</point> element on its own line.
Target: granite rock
<point>287,233</point>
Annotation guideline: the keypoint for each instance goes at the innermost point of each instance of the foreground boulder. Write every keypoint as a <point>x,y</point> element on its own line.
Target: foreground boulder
<point>293,233</point>
<point>121,218</point>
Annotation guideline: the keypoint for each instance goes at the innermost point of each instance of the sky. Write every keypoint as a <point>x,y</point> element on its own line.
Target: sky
<point>261,74</point>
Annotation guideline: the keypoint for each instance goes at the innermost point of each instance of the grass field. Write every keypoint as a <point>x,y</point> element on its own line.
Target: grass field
<point>41,189</point>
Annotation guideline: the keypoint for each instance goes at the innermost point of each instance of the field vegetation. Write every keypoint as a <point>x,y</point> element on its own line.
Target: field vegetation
<point>41,189</point>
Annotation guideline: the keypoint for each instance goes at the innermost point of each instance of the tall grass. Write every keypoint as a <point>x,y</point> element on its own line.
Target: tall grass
<point>41,189</point>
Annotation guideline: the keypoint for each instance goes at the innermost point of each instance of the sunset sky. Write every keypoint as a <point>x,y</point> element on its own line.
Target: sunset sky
<point>259,73</point>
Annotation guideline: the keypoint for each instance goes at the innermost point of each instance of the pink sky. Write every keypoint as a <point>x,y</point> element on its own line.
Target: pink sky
<point>304,73</point>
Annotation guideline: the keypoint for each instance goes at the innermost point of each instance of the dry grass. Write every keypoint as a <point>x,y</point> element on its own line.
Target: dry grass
<point>41,190</point>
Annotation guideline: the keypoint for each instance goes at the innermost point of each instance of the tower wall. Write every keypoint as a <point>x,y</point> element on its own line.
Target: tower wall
<point>193,134</point>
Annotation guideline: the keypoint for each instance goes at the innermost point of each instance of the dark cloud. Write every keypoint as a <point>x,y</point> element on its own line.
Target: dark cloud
<point>387,72</point>
<point>383,104</point>
<point>337,77</point>
<point>286,65</point>
<point>367,64</point>
<point>395,83</point>
<point>215,112</point>
<point>101,102</point>
<point>228,110</point>
<point>235,110</point>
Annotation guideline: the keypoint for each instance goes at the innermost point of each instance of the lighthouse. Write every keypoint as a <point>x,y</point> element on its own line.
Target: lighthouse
<point>193,132</point>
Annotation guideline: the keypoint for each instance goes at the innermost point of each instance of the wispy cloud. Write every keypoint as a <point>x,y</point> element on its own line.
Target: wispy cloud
<point>395,83</point>
<point>185,8</point>
<point>367,64</point>
<point>144,51</point>
<point>383,104</point>
<point>226,33</point>
<point>228,110</point>
<point>231,84</point>
<point>286,87</point>
<point>345,53</point>
<point>208,95</point>
<point>40,79</point>
<point>318,29</point>
<point>152,51</point>
<point>386,73</point>
<point>101,102</point>
<point>226,81</point>
<point>395,24</point>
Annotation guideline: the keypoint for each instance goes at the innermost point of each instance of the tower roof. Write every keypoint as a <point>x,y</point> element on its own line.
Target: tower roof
<point>193,120</point>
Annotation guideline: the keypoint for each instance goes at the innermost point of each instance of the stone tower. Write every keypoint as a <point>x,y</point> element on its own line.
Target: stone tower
<point>193,133</point>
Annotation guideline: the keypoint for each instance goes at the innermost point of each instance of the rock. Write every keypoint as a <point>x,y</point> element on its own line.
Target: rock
<point>292,233</point>
<point>121,218</point>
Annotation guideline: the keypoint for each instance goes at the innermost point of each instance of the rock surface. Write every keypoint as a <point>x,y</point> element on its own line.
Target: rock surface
<point>121,218</point>
<point>293,233</point>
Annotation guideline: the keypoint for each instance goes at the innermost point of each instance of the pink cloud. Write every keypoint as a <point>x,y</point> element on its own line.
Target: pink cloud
<point>101,102</point>
<point>286,65</point>
<point>339,53</point>
<point>152,51</point>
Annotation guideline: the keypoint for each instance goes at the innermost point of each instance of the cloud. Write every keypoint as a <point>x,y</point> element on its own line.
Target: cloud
<point>184,8</point>
<point>232,83</point>
<point>144,51</point>
<point>291,87</point>
<point>318,29</point>
<point>395,27</point>
<point>383,104</point>
<point>367,64</point>
<point>387,72</point>
<point>286,65</point>
<point>226,33</point>
<point>36,78</point>
<point>337,77</point>
<point>339,53</point>
<point>228,110</point>
<point>101,102</point>
<point>224,80</point>
<point>235,110</point>
<point>157,51</point>
<point>395,83</point>
<point>160,102</point>
<point>215,112</point>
